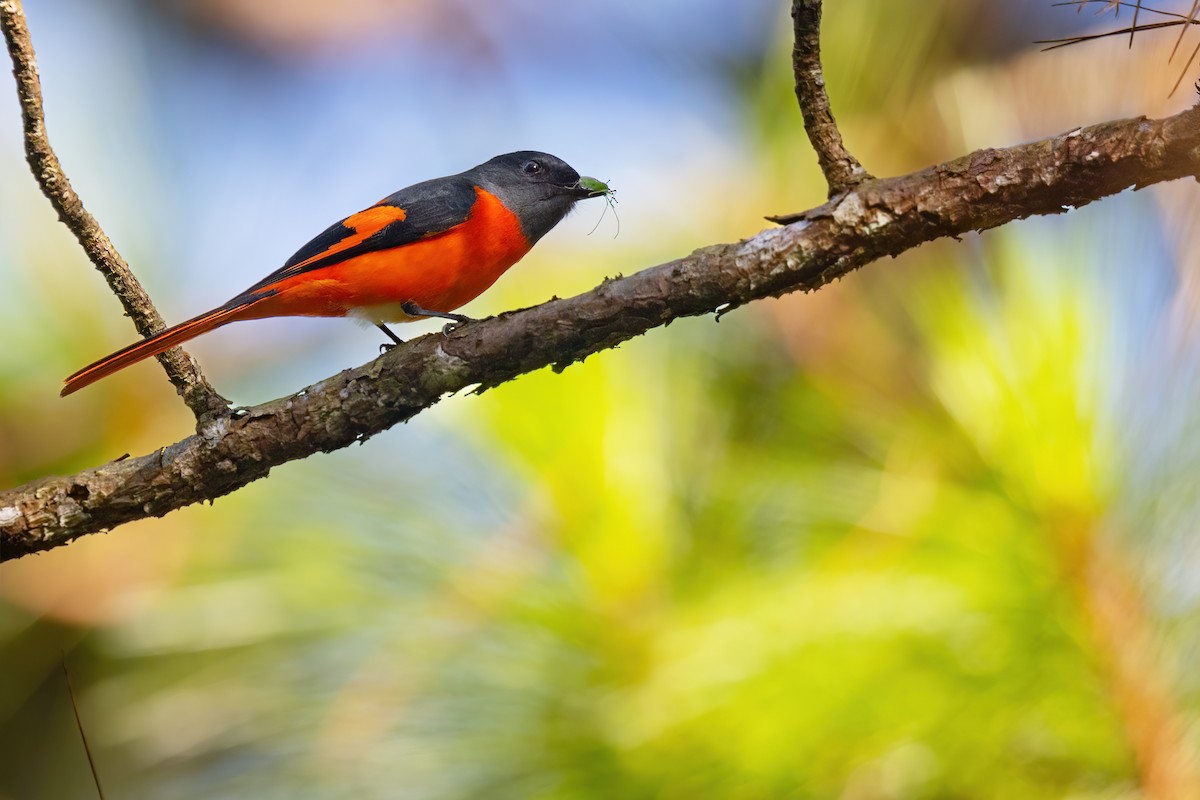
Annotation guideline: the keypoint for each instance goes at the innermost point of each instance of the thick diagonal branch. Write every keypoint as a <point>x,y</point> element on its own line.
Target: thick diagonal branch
<point>200,397</point>
<point>842,170</point>
<point>881,218</point>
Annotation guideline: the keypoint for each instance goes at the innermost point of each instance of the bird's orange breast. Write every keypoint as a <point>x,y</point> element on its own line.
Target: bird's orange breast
<point>440,272</point>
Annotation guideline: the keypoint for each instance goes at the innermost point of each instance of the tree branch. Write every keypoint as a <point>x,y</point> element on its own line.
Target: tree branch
<point>884,217</point>
<point>842,170</point>
<point>182,370</point>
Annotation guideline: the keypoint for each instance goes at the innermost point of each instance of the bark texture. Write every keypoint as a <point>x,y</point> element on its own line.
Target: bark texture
<point>842,170</point>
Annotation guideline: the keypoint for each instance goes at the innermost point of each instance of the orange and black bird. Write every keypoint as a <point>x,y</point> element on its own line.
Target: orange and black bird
<point>421,252</point>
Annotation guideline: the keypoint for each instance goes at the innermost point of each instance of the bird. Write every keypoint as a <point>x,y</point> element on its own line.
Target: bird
<point>421,252</point>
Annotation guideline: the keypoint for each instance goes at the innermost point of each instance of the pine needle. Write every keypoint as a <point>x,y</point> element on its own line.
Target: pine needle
<point>79,724</point>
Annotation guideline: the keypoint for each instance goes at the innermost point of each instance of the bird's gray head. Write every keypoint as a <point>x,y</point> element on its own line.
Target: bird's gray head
<point>537,187</point>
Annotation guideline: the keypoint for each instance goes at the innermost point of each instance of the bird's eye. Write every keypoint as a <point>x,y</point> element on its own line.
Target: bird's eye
<point>532,167</point>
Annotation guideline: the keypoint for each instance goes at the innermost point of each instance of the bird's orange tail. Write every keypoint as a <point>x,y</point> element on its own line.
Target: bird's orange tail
<point>158,343</point>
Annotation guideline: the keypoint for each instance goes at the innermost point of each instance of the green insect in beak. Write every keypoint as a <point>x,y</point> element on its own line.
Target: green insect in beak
<point>599,187</point>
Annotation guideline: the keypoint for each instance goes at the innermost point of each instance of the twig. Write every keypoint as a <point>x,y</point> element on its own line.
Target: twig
<point>1183,21</point>
<point>1183,29</point>
<point>79,724</point>
<point>1067,41</point>
<point>841,168</point>
<point>182,370</point>
<point>1110,4</point>
<point>880,218</point>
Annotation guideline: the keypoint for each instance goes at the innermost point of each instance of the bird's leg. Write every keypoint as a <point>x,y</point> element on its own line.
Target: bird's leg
<point>414,310</point>
<point>388,332</point>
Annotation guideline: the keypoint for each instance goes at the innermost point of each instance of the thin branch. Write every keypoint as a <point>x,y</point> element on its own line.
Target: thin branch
<point>880,218</point>
<point>1183,21</point>
<point>1183,72</point>
<point>1067,41</point>
<point>1191,18</point>
<point>1080,4</point>
<point>82,736</point>
<point>1183,29</point>
<point>182,370</point>
<point>841,168</point>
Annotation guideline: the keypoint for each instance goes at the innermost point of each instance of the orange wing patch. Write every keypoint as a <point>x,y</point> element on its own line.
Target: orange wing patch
<point>364,224</point>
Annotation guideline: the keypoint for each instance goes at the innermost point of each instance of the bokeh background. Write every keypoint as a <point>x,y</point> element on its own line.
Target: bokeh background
<point>928,533</point>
